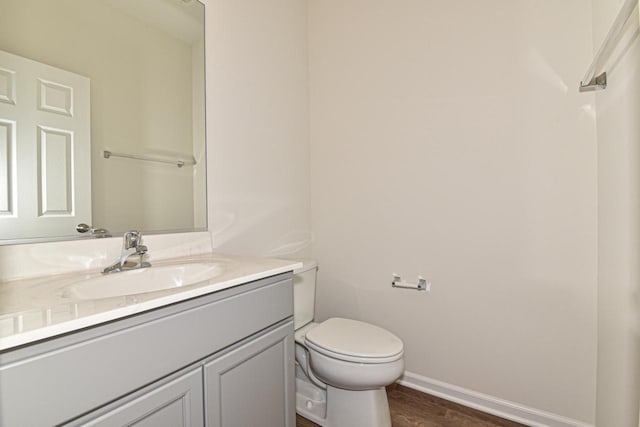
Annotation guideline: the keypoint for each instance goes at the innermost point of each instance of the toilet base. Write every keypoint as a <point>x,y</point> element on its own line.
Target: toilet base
<point>363,408</point>
<point>311,400</point>
<point>335,407</point>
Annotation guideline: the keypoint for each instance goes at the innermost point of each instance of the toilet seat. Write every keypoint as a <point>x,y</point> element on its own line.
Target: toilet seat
<point>353,341</point>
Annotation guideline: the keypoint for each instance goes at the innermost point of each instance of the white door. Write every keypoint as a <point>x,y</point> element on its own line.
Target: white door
<point>45,149</point>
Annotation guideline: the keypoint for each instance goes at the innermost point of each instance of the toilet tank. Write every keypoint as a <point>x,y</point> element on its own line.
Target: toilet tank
<point>304,293</point>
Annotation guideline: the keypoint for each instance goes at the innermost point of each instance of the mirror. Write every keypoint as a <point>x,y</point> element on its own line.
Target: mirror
<point>102,118</point>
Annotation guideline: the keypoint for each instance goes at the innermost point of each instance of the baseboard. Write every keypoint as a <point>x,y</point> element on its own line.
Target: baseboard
<point>489,404</point>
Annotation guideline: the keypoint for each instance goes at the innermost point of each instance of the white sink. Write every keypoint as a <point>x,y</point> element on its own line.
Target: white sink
<point>143,280</point>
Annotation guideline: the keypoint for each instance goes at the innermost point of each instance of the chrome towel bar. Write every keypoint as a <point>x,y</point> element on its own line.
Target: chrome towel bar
<point>595,78</point>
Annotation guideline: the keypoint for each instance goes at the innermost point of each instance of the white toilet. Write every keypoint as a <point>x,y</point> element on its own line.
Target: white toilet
<point>342,365</point>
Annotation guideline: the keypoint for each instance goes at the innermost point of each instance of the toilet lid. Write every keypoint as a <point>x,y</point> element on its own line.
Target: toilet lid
<point>354,339</point>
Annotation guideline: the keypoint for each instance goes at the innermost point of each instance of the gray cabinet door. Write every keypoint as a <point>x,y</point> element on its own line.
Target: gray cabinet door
<point>174,404</point>
<point>253,385</point>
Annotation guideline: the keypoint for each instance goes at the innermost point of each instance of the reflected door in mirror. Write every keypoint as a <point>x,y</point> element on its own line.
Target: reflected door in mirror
<point>45,149</point>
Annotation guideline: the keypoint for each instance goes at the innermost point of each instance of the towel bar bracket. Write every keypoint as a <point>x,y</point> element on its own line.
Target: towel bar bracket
<point>598,82</point>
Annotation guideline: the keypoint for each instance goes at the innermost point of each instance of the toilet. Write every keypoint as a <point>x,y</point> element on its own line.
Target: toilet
<point>342,365</point>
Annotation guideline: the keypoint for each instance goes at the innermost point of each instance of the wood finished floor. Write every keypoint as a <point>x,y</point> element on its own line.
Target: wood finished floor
<point>411,408</point>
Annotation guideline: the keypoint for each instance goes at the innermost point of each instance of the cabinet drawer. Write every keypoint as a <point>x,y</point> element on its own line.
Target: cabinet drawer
<point>49,383</point>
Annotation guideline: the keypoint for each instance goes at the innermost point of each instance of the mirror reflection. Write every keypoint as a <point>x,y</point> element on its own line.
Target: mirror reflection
<point>102,117</point>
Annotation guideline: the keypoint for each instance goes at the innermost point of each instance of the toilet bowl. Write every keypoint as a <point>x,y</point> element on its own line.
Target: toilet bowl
<point>343,365</point>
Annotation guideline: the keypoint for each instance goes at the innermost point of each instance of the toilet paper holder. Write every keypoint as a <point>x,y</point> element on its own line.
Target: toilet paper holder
<point>422,284</point>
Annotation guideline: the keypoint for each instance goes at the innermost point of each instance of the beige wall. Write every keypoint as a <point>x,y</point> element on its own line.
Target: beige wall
<point>618,111</point>
<point>448,140</point>
<point>133,109</point>
<point>257,126</point>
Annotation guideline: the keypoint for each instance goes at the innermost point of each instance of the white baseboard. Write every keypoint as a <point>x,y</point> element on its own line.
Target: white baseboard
<point>489,404</point>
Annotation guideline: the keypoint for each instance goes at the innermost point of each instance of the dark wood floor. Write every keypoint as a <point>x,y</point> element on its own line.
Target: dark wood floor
<point>411,408</point>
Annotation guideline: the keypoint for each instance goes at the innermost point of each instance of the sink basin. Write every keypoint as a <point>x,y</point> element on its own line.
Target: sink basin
<point>143,280</point>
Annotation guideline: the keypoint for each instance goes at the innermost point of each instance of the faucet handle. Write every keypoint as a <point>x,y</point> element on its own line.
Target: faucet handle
<point>132,239</point>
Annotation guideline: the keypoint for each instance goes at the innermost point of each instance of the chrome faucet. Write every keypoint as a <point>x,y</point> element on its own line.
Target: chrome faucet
<point>132,245</point>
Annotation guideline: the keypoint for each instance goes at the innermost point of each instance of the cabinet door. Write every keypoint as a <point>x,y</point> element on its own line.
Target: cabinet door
<point>253,385</point>
<point>174,404</point>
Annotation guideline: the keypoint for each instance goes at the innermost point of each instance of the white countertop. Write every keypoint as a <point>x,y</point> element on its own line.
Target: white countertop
<point>40,308</point>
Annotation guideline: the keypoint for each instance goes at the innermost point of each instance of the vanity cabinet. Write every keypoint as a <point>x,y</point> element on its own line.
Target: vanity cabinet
<point>224,359</point>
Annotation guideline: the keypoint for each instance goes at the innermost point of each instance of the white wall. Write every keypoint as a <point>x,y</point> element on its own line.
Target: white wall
<point>448,139</point>
<point>133,108</point>
<point>257,127</point>
<point>618,110</point>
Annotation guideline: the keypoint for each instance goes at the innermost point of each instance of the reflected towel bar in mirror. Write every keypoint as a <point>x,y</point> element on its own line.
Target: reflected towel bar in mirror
<point>180,163</point>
